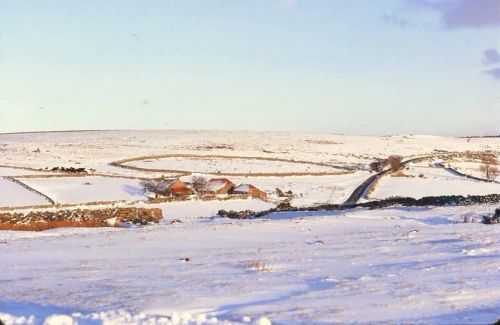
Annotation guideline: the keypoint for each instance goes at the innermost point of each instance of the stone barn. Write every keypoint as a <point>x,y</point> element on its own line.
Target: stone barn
<point>250,190</point>
<point>174,186</point>
<point>220,186</point>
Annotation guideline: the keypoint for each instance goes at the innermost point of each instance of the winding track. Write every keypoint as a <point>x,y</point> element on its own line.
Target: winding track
<point>359,191</point>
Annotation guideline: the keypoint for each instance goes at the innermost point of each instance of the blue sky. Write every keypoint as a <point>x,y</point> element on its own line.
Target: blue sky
<point>356,67</point>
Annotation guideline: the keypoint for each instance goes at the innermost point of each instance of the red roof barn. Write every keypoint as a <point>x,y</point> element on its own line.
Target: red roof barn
<point>220,186</point>
<point>174,187</point>
<point>250,190</point>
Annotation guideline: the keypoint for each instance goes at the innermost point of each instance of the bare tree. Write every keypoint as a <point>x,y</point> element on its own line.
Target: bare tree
<point>494,172</point>
<point>149,185</point>
<point>488,165</point>
<point>378,166</point>
<point>488,157</point>
<point>199,184</point>
<point>490,171</point>
<point>394,162</point>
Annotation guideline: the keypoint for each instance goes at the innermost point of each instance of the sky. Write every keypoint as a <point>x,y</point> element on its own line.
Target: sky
<point>332,66</point>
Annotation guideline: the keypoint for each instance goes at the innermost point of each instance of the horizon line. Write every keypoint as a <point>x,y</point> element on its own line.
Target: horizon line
<point>255,131</point>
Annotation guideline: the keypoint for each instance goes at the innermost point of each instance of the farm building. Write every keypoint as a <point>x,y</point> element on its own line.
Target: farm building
<point>174,186</point>
<point>220,186</point>
<point>251,190</point>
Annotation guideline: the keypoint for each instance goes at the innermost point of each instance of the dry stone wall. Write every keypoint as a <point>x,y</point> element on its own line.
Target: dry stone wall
<point>134,215</point>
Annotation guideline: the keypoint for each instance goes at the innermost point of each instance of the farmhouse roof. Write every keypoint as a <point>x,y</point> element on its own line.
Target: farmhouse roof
<point>166,183</point>
<point>216,184</point>
<point>244,188</point>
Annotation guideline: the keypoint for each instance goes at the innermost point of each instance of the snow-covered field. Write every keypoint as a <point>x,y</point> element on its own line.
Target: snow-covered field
<point>310,190</point>
<point>234,165</point>
<point>401,265</point>
<point>470,168</point>
<point>395,265</point>
<point>67,190</point>
<point>93,149</point>
<point>431,182</point>
<point>13,194</point>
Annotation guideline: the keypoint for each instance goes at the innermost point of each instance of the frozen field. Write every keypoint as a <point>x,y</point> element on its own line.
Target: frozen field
<point>310,190</point>
<point>402,265</point>
<point>93,149</point>
<point>470,168</point>
<point>431,182</point>
<point>13,194</point>
<point>67,190</point>
<point>393,265</point>
<point>235,165</point>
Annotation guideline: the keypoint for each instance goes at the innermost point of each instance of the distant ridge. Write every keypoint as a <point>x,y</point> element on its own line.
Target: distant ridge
<point>59,131</point>
<point>209,130</point>
<point>481,136</point>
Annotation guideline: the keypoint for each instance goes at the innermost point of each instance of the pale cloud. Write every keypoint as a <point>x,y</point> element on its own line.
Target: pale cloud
<point>491,56</point>
<point>495,73</point>
<point>464,13</point>
<point>395,20</point>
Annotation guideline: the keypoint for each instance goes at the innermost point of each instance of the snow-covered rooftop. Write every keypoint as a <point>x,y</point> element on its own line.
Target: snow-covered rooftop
<point>217,184</point>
